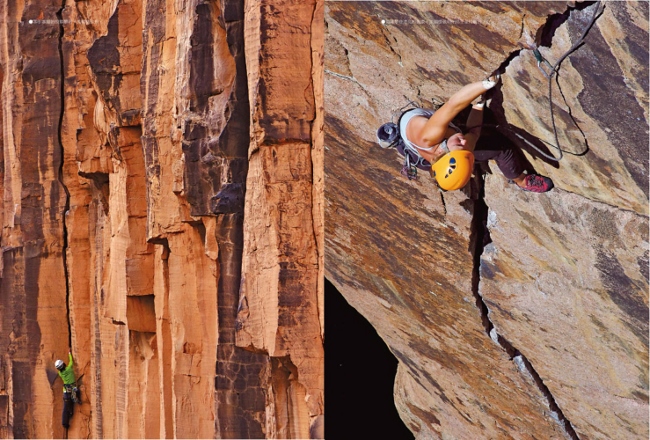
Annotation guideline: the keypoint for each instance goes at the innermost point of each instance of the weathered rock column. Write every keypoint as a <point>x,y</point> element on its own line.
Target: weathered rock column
<point>125,154</point>
<point>281,294</point>
<point>33,311</point>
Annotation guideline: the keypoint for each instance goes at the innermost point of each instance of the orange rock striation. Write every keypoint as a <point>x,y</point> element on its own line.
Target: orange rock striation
<point>162,182</point>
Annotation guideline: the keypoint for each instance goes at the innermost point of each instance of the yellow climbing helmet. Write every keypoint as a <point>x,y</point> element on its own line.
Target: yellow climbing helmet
<point>453,170</point>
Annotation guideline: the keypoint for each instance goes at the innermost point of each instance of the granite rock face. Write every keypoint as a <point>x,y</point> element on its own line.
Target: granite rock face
<point>146,151</point>
<point>512,314</point>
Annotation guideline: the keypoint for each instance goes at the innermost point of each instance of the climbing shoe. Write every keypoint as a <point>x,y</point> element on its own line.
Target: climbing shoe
<point>537,183</point>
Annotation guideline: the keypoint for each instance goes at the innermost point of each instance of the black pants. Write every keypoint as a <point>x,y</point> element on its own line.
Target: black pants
<point>495,145</point>
<point>508,160</point>
<point>68,408</point>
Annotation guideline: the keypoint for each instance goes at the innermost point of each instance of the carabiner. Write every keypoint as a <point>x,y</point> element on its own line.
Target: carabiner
<point>541,60</point>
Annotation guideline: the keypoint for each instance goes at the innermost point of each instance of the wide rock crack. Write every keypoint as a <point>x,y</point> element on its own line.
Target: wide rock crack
<point>66,209</point>
<point>480,237</point>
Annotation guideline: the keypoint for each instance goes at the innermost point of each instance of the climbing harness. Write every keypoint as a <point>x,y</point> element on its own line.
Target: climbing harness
<point>73,391</point>
<point>388,136</point>
<point>543,65</point>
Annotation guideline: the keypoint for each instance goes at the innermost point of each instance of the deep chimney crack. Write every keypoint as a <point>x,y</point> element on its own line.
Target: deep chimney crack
<point>66,209</point>
<point>480,237</point>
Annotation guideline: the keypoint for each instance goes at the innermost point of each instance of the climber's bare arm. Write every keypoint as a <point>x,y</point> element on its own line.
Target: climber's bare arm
<point>436,127</point>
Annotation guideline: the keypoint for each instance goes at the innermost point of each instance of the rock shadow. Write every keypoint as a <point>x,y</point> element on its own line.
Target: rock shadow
<point>499,130</point>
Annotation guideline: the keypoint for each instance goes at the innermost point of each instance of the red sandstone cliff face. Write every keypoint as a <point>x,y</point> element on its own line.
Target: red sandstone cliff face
<point>162,184</point>
<point>542,330</point>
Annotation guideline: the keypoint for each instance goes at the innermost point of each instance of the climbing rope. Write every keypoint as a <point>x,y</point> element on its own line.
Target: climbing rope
<point>409,169</point>
<point>541,61</point>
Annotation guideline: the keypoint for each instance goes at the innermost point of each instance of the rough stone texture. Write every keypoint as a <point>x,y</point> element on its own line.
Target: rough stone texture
<point>126,137</point>
<point>575,271</point>
<point>548,339</point>
<point>33,310</point>
<point>281,302</point>
<point>602,104</point>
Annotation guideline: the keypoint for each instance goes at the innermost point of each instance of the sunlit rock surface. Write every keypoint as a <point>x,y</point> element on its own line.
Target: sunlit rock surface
<point>138,160</point>
<point>544,332</point>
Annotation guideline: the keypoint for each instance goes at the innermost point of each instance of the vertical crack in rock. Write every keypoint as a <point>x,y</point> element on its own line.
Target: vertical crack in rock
<point>315,224</point>
<point>545,34</point>
<point>544,37</point>
<point>287,392</point>
<point>66,208</point>
<point>480,237</point>
<point>239,384</point>
<point>98,409</point>
<point>502,67</point>
<point>442,200</point>
<point>523,25</point>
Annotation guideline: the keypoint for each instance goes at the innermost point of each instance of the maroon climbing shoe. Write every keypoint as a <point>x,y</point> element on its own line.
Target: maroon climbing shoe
<point>537,183</point>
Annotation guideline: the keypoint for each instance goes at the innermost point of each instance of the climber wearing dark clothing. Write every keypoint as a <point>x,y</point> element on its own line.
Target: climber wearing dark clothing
<point>69,388</point>
<point>511,165</point>
<point>433,139</point>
